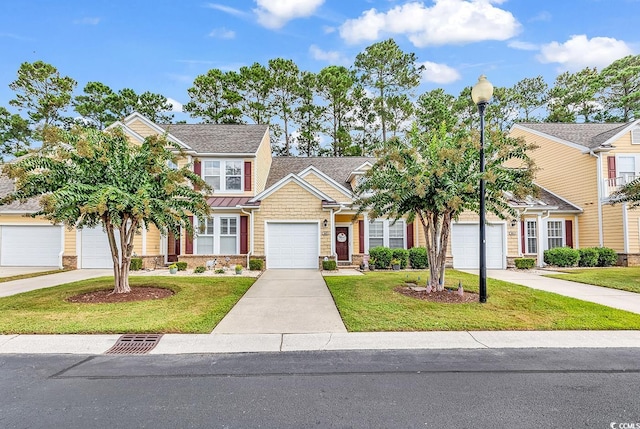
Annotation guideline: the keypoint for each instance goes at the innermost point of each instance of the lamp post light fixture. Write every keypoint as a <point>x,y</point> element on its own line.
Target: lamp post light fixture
<point>481,93</point>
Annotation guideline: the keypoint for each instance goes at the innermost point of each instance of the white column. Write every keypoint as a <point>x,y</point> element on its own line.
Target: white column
<point>540,234</point>
<point>366,233</point>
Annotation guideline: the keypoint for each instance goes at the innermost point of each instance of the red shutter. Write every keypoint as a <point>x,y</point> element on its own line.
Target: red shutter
<point>409,235</point>
<point>611,167</point>
<point>361,235</point>
<point>197,169</point>
<point>522,237</point>
<point>568,232</point>
<point>244,235</point>
<point>188,246</point>
<point>247,175</point>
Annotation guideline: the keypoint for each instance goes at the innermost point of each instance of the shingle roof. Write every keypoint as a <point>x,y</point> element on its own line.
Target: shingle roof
<point>544,199</point>
<point>337,168</point>
<point>589,135</point>
<point>6,187</point>
<point>227,201</point>
<point>216,138</point>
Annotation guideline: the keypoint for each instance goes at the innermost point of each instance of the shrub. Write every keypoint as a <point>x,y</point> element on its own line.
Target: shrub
<point>382,255</point>
<point>199,270</point>
<point>182,266</point>
<point>255,264</point>
<point>173,267</point>
<point>401,255</point>
<point>524,263</point>
<point>329,265</point>
<point>136,264</point>
<point>562,256</point>
<point>588,257</point>
<point>219,271</point>
<point>418,258</point>
<point>238,267</point>
<point>606,257</point>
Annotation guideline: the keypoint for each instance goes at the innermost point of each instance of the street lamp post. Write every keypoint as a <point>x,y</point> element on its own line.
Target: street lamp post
<point>481,93</point>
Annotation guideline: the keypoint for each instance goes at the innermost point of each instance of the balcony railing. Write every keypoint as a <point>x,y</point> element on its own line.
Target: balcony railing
<point>614,184</point>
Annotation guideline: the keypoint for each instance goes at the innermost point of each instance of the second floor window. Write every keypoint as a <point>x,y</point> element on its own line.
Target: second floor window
<point>223,175</point>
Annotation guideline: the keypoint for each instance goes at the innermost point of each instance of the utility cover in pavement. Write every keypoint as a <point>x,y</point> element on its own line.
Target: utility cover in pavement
<point>134,344</point>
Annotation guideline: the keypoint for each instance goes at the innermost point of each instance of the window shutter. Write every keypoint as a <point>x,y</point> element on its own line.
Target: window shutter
<point>523,237</point>
<point>409,235</point>
<point>247,175</point>
<point>611,167</point>
<point>361,235</point>
<point>188,246</point>
<point>568,232</point>
<point>197,169</point>
<point>244,235</point>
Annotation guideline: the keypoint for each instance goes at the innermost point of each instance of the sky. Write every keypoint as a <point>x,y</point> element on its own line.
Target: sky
<point>162,45</point>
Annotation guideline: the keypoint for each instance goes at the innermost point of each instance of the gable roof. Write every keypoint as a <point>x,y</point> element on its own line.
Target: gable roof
<point>337,168</point>
<point>218,138</point>
<point>587,135</point>
<point>7,186</point>
<point>545,200</point>
<point>293,178</point>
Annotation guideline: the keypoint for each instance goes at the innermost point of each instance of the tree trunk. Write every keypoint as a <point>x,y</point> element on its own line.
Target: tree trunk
<point>436,233</point>
<point>121,257</point>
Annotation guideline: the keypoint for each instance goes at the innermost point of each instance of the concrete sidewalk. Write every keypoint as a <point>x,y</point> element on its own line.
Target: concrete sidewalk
<point>615,298</point>
<point>284,302</point>
<point>25,285</point>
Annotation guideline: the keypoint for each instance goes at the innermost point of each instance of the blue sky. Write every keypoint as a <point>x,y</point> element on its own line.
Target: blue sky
<point>162,45</point>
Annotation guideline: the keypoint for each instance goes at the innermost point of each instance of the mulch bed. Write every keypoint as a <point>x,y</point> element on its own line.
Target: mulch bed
<point>137,294</point>
<point>444,297</point>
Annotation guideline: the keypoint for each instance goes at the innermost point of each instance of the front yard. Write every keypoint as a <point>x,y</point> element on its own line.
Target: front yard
<point>623,278</point>
<point>198,305</point>
<point>369,303</point>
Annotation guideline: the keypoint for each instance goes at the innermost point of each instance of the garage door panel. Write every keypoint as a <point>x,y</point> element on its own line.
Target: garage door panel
<point>292,245</point>
<point>465,246</point>
<point>31,246</point>
<point>95,250</point>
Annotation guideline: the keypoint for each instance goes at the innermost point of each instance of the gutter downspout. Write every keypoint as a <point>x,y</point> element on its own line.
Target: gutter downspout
<point>625,228</point>
<point>541,237</point>
<point>599,178</point>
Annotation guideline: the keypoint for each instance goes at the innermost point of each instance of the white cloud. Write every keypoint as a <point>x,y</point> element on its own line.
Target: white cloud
<point>328,29</point>
<point>439,73</point>
<point>446,22</point>
<point>227,9</point>
<point>276,13</point>
<point>222,33</point>
<point>176,106</point>
<point>87,20</point>
<point>333,57</point>
<point>579,52</point>
<point>523,46</point>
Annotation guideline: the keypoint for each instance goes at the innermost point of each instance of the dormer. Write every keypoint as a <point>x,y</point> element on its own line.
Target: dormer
<point>357,175</point>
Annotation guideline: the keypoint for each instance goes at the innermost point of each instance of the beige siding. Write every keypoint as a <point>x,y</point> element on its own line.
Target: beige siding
<point>633,222</point>
<point>262,164</point>
<point>70,242</point>
<point>320,184</point>
<point>140,128</point>
<point>291,202</point>
<point>612,228</point>
<point>153,241</point>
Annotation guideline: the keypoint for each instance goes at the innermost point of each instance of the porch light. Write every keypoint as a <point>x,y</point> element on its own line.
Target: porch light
<point>481,93</point>
<point>325,223</point>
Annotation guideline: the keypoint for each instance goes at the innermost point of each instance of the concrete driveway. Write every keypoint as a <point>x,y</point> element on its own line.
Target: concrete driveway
<point>18,286</point>
<point>284,302</point>
<point>17,271</point>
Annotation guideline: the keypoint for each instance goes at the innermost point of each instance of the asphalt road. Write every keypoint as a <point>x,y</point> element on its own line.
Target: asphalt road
<point>509,388</point>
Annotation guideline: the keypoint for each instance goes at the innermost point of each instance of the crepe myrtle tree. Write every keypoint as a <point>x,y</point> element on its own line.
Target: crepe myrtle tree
<point>434,177</point>
<point>86,178</point>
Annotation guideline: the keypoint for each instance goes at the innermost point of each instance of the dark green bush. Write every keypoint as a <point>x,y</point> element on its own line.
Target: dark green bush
<point>219,271</point>
<point>588,257</point>
<point>382,255</point>
<point>418,258</point>
<point>136,264</point>
<point>562,256</point>
<point>329,265</point>
<point>606,257</point>
<point>524,263</point>
<point>255,264</point>
<point>199,270</point>
<point>182,266</point>
<point>401,255</point>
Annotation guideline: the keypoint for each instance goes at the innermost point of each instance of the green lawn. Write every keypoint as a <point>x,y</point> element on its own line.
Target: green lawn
<point>368,303</point>
<point>198,305</point>
<point>623,278</point>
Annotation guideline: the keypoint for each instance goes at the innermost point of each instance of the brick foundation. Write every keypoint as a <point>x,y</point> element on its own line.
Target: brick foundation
<point>221,261</point>
<point>628,259</point>
<point>151,262</point>
<point>70,262</point>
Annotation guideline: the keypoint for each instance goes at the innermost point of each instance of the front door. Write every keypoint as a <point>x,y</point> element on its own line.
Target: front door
<point>173,247</point>
<point>342,243</point>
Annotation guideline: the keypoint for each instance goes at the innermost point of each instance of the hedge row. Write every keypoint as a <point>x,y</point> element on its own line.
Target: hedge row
<point>587,257</point>
<point>381,257</point>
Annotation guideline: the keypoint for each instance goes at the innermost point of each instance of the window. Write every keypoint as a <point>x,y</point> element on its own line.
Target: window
<point>626,169</point>
<point>531,231</point>
<point>376,236</point>
<point>223,175</point>
<point>218,235</point>
<point>635,135</point>
<point>555,234</point>
<point>386,233</point>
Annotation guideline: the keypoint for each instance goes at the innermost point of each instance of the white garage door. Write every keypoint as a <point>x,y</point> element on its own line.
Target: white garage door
<point>292,245</point>
<point>31,246</point>
<point>465,246</point>
<point>95,251</point>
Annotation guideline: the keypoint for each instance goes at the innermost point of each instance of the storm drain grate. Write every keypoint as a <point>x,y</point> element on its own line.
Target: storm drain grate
<point>134,344</point>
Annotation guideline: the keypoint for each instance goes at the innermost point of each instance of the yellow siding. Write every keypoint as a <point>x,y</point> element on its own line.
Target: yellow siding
<point>291,202</point>
<point>262,164</point>
<point>140,128</point>
<point>612,228</point>
<point>568,172</point>
<point>633,222</point>
<point>70,242</point>
<point>320,184</point>
<point>153,241</point>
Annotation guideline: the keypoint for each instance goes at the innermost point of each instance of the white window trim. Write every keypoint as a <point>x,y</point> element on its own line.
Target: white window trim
<point>635,135</point>
<point>385,233</point>
<point>562,233</point>
<point>528,251</point>
<point>223,176</point>
<point>216,233</point>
